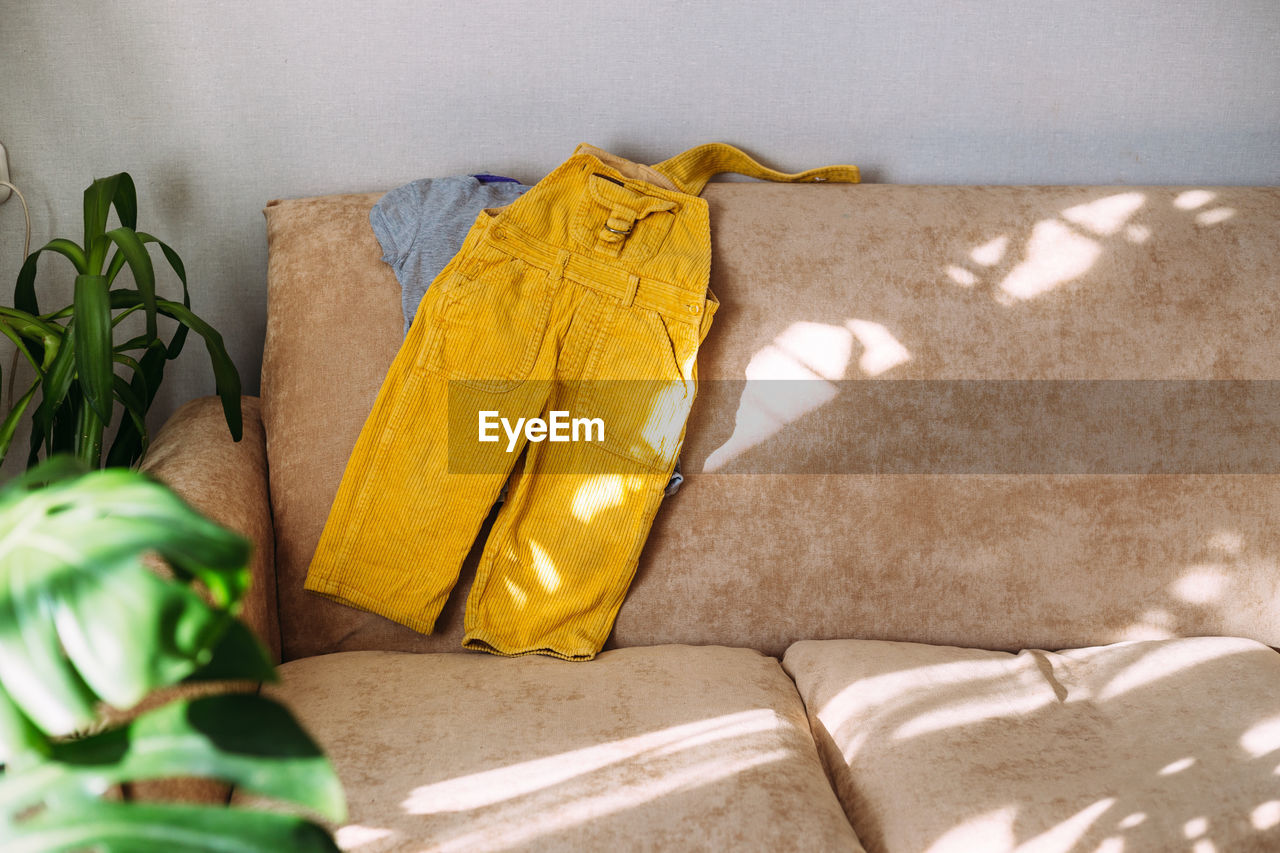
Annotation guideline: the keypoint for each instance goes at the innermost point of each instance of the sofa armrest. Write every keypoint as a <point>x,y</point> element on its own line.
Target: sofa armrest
<point>195,456</point>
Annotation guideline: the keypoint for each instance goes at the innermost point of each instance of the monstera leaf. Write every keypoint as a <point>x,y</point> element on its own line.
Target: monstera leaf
<point>86,622</point>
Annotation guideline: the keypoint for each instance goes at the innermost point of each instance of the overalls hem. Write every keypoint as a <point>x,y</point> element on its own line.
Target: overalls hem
<point>339,592</point>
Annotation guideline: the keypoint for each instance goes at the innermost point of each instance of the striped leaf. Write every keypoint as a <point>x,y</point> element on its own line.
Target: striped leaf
<point>144,276</point>
<point>93,343</point>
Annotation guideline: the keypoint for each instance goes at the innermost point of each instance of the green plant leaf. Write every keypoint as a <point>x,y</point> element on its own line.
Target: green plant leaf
<point>239,655</point>
<point>247,740</point>
<point>152,363</point>
<point>53,471</point>
<point>93,343</point>
<point>31,327</point>
<point>24,292</point>
<point>55,386</point>
<point>75,593</point>
<point>66,421</point>
<point>20,741</point>
<point>11,420</point>
<point>180,269</point>
<point>125,201</point>
<point>226,378</point>
<point>144,275</point>
<point>136,409</point>
<point>165,828</point>
<point>131,439</point>
<point>33,671</point>
<point>21,346</point>
<point>114,266</point>
<point>98,197</point>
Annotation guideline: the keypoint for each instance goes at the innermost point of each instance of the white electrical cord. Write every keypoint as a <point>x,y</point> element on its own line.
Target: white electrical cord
<point>26,249</point>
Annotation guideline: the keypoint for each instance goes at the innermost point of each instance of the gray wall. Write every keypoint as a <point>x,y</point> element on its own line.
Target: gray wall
<point>216,107</point>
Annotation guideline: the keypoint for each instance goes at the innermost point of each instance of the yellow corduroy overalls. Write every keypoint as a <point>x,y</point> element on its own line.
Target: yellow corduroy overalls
<point>586,296</point>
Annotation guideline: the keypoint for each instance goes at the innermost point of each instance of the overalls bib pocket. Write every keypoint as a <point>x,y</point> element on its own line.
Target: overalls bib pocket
<point>619,223</point>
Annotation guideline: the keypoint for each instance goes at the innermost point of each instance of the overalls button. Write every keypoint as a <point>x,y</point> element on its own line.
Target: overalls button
<point>693,309</point>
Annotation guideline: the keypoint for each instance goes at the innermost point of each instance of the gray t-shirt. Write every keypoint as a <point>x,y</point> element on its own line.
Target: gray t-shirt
<point>421,226</point>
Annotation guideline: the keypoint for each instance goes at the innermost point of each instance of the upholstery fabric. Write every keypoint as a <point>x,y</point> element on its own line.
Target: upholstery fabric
<point>194,455</point>
<point>1143,746</point>
<point>865,282</point>
<point>664,748</point>
<point>227,481</point>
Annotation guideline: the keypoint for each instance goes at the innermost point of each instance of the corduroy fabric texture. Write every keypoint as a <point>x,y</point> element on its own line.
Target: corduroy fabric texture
<point>587,295</point>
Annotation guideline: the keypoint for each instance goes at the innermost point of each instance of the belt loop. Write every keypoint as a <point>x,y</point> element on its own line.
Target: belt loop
<point>562,262</point>
<point>633,284</point>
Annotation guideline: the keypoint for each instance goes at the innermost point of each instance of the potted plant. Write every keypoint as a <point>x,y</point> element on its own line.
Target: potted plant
<point>84,624</point>
<point>73,350</point>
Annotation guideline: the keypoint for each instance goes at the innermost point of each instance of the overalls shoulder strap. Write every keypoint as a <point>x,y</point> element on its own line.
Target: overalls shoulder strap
<point>691,170</point>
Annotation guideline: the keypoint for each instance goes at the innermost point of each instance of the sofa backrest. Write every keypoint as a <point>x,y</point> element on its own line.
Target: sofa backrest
<point>995,547</point>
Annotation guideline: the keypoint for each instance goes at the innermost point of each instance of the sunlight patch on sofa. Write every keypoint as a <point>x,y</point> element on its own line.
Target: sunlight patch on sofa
<point>1165,661</point>
<point>1106,216</point>
<point>1191,199</point>
<point>1065,836</point>
<point>991,830</point>
<point>1262,739</point>
<point>1155,624</point>
<point>1055,255</point>
<point>1137,234</point>
<point>1228,542</point>
<point>991,252</point>
<point>490,787</point>
<point>768,405</point>
<point>881,351</point>
<point>994,831</point>
<point>1201,584</point>
<point>1177,766</point>
<point>503,832</point>
<point>796,373</point>
<point>822,348</point>
<point>961,276</point>
<point>354,836</point>
<point>1266,816</point>
<point>1002,705</point>
<point>1213,217</point>
<point>1195,827</point>
<point>892,691</point>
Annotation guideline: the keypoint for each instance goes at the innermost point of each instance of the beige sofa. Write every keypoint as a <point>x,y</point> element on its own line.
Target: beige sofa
<point>825,648</point>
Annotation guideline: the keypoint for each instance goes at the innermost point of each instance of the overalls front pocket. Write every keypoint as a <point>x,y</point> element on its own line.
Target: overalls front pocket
<point>490,317</point>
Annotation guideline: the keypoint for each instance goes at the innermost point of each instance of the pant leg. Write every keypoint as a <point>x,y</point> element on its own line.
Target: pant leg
<point>565,546</point>
<point>415,494</point>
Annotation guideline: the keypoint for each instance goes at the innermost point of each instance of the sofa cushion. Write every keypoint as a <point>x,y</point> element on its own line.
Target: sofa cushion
<point>1143,746</point>
<point>663,748</point>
